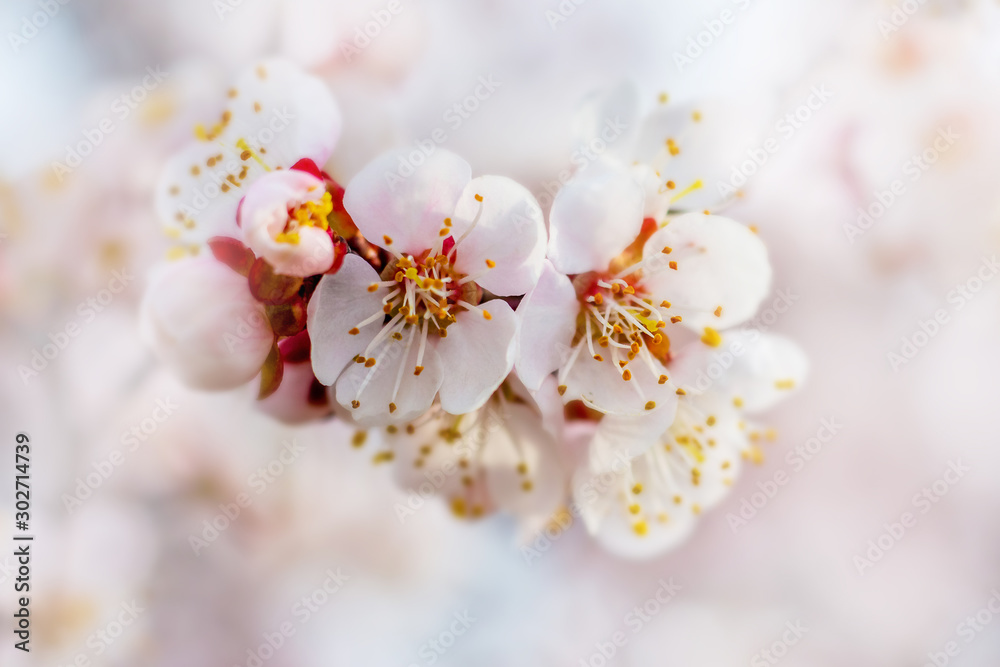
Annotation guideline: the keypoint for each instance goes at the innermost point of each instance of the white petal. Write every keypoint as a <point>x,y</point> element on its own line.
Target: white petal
<point>547,322</point>
<point>546,401</point>
<point>510,232</point>
<point>628,436</point>
<point>193,206</point>
<point>424,463</point>
<point>719,263</point>
<point>479,353</point>
<point>550,405</point>
<point>202,321</point>
<point>264,215</point>
<point>617,533</point>
<point>601,386</point>
<point>427,464</point>
<point>759,369</point>
<point>594,217</point>
<point>522,440</point>
<point>710,149</point>
<point>200,189</point>
<point>594,491</point>
<point>312,255</point>
<point>709,436</point>
<point>297,117</point>
<point>341,302</point>
<point>657,196</point>
<point>576,437</point>
<point>391,198</point>
<point>603,500</point>
<point>392,382</point>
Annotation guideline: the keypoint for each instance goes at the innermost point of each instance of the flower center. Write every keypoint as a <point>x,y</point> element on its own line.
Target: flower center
<point>424,296</point>
<point>664,479</point>
<point>618,314</point>
<point>427,292</point>
<point>457,443</point>
<point>619,324</point>
<point>307,214</point>
<point>424,292</point>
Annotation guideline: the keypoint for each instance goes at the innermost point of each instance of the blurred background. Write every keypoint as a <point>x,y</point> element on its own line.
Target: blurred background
<point>881,211</point>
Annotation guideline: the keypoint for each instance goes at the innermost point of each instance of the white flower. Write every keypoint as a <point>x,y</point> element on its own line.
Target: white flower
<point>640,493</point>
<point>422,328</point>
<point>608,330</point>
<point>503,456</point>
<point>202,321</point>
<point>284,220</point>
<point>275,116</point>
<point>682,153</point>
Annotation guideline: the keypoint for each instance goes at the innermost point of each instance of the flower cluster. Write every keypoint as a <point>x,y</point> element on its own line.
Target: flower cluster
<point>595,360</point>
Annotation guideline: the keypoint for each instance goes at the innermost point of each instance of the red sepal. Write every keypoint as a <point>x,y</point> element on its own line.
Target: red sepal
<point>271,373</point>
<point>289,318</point>
<point>232,253</point>
<point>270,287</point>
<point>340,251</point>
<point>297,349</point>
<point>308,166</point>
